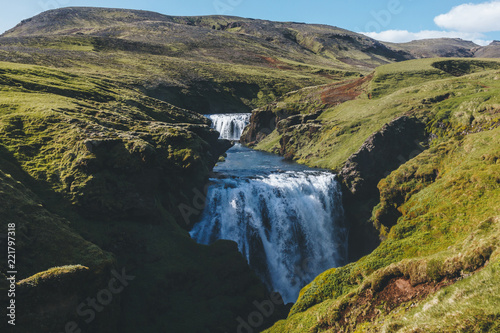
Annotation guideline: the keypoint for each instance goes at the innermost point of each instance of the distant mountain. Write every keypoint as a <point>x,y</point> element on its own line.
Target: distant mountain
<point>250,41</point>
<point>490,51</point>
<point>446,47</point>
<point>208,64</point>
<point>439,47</point>
<point>104,160</point>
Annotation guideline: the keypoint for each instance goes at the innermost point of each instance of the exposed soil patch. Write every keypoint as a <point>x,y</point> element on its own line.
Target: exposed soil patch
<point>335,94</point>
<point>275,63</point>
<point>368,305</point>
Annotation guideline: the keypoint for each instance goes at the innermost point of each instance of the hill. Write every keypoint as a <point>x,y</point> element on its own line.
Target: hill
<point>185,60</point>
<point>489,51</point>
<point>416,147</point>
<point>93,177</point>
<point>438,47</point>
<point>249,39</point>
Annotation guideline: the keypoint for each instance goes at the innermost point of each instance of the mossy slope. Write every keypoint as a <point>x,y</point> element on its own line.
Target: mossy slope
<point>93,173</point>
<point>438,215</point>
<point>416,88</point>
<point>448,229</point>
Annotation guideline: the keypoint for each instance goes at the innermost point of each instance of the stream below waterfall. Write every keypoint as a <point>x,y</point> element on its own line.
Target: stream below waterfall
<point>287,219</point>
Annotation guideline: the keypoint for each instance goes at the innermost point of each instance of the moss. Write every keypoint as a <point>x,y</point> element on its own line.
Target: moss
<point>412,88</point>
<point>459,67</point>
<point>98,182</point>
<point>437,215</point>
<point>54,273</point>
<point>452,264</point>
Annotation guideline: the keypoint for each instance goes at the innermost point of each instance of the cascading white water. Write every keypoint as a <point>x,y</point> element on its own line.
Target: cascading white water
<point>230,125</point>
<point>286,218</point>
<point>289,225</point>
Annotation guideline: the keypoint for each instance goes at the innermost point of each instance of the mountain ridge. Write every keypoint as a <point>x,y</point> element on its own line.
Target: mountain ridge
<point>437,47</point>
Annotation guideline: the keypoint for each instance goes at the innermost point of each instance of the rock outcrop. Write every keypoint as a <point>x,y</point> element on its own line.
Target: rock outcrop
<point>262,123</point>
<point>383,152</point>
<point>300,107</point>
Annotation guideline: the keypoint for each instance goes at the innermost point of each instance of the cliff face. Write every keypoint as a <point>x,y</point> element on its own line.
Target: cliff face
<point>300,107</point>
<point>384,151</point>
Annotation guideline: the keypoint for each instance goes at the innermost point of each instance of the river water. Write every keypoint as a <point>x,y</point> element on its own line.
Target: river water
<point>287,219</point>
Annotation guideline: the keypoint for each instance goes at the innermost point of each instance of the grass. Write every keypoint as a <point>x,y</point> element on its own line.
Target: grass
<point>438,212</point>
<point>92,172</point>
<point>98,148</point>
<point>448,227</point>
<point>346,126</point>
<point>98,128</point>
<point>205,85</point>
<point>474,301</point>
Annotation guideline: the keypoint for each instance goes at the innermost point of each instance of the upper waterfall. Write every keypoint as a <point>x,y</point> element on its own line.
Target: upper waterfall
<point>230,125</point>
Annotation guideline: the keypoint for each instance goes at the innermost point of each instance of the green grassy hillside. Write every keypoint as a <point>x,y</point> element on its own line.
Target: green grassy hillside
<point>417,88</point>
<point>437,216</point>
<point>100,127</point>
<point>446,239</point>
<point>93,173</point>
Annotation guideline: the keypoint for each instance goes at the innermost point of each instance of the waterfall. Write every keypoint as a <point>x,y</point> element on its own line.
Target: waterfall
<point>230,125</point>
<point>288,225</point>
<point>287,219</point>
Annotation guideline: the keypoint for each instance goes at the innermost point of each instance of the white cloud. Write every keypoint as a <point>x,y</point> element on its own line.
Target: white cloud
<point>482,17</point>
<point>402,36</point>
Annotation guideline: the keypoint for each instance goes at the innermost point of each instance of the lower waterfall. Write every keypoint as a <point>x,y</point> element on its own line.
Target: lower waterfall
<point>286,218</point>
<point>230,125</point>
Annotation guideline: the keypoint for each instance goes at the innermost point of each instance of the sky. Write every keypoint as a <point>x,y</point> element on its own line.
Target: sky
<point>386,20</point>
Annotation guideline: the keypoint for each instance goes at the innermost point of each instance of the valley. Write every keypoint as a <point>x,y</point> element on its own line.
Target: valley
<point>365,188</point>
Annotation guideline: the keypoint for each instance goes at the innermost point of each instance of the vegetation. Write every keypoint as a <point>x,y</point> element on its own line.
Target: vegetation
<point>184,60</point>
<point>414,88</point>
<point>92,173</point>
<point>438,215</point>
<point>101,142</point>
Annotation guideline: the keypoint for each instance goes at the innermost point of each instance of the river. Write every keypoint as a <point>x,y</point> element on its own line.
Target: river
<point>287,219</point>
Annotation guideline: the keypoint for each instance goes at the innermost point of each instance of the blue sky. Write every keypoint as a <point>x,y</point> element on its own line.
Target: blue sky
<point>390,20</point>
